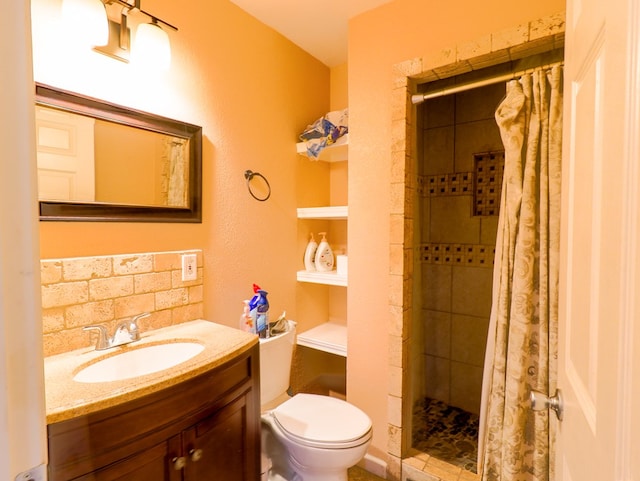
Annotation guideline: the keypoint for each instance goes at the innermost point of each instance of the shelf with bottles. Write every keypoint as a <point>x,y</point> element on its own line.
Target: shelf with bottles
<point>336,152</point>
<point>329,337</point>
<point>331,278</point>
<point>322,264</point>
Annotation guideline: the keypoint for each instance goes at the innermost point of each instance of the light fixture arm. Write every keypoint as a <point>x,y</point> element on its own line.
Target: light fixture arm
<point>125,40</point>
<point>135,6</point>
<point>159,20</point>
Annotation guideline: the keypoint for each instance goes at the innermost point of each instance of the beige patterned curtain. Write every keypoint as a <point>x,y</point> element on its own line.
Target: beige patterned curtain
<point>522,343</point>
<point>175,172</point>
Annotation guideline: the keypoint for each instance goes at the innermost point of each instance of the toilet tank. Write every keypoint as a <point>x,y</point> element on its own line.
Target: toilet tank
<point>275,363</point>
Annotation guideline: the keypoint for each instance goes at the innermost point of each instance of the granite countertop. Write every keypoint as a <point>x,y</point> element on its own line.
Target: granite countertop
<point>66,398</point>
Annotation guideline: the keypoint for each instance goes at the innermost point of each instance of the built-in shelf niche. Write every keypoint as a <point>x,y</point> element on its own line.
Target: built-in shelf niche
<point>330,337</point>
<point>331,278</point>
<point>336,152</point>
<point>324,213</point>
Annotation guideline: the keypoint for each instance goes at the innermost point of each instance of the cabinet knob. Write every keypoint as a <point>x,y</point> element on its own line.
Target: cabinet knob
<point>196,454</point>
<point>179,463</point>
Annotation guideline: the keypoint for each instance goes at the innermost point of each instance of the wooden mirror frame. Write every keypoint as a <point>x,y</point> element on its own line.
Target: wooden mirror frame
<point>105,212</point>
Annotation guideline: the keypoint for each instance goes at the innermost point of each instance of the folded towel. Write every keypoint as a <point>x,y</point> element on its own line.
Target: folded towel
<point>281,325</point>
<point>325,131</point>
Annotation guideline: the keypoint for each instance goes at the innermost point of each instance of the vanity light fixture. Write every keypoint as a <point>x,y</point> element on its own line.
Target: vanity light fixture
<point>151,45</point>
<point>88,19</point>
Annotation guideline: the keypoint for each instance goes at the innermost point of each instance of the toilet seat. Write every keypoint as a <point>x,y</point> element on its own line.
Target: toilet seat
<point>322,422</point>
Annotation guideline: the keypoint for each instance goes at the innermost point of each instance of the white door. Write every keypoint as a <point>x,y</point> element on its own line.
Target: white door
<point>599,338</point>
<point>22,404</point>
<point>66,160</point>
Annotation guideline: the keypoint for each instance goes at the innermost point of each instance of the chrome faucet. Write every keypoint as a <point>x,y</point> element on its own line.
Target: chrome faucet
<point>126,331</point>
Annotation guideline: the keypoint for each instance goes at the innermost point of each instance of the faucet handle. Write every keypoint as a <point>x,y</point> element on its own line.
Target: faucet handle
<point>103,341</point>
<point>132,325</point>
<point>134,319</point>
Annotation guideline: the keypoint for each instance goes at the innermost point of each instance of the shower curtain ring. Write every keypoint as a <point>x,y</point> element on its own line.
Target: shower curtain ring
<point>249,175</point>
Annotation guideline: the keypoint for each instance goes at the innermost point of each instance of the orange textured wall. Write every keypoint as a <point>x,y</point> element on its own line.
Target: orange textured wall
<point>252,91</point>
<point>127,164</point>
<point>398,31</point>
<point>339,87</point>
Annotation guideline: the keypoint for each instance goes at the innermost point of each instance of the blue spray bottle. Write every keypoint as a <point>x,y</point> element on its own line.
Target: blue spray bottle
<point>262,320</point>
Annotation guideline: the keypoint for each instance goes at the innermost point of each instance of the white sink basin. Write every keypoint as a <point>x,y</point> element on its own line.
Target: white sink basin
<point>138,362</point>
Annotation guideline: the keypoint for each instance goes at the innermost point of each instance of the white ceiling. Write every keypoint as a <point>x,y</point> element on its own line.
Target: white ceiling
<point>318,28</point>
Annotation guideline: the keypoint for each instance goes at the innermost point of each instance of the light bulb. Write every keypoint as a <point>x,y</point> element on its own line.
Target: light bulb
<point>87,21</point>
<point>151,47</point>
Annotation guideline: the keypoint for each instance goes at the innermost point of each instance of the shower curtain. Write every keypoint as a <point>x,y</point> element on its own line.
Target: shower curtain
<point>521,351</point>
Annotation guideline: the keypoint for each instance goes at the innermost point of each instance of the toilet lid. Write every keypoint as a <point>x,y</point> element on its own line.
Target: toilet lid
<point>322,420</point>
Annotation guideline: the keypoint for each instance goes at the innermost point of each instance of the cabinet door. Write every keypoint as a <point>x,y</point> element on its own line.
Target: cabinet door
<point>152,464</point>
<point>218,447</point>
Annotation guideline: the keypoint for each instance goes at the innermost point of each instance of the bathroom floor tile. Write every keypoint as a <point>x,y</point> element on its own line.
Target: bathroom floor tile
<point>356,473</point>
<point>446,433</point>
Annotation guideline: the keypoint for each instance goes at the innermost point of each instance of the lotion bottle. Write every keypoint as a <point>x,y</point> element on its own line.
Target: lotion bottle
<point>310,254</point>
<point>324,255</point>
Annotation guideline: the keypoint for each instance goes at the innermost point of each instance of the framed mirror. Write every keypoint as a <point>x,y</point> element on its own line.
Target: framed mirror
<point>99,161</point>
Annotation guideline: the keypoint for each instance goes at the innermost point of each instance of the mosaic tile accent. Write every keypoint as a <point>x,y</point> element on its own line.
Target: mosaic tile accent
<point>485,183</point>
<point>470,255</point>
<point>489,169</point>
<point>460,183</point>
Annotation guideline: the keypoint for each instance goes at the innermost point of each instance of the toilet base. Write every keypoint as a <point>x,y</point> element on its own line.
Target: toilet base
<point>326,474</point>
<point>317,477</point>
<point>284,467</point>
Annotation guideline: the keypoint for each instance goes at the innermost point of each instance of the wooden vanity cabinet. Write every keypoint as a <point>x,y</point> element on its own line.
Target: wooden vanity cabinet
<point>206,428</point>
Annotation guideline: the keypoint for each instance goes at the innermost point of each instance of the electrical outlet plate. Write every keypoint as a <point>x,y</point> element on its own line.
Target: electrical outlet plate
<point>39,473</point>
<point>189,267</point>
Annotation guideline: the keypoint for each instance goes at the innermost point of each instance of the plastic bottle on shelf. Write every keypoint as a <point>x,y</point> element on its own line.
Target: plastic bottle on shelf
<point>262,318</point>
<point>253,313</point>
<point>310,254</point>
<point>324,260</point>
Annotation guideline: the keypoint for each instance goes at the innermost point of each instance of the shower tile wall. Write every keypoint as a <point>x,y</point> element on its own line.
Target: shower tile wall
<point>456,247</point>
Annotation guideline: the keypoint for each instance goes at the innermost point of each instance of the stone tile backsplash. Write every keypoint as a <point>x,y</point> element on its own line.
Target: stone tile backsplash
<point>82,291</point>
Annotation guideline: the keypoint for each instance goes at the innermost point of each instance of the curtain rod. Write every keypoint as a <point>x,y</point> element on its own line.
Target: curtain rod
<point>419,98</point>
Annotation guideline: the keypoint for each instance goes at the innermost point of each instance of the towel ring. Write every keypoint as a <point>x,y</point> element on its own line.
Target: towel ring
<point>249,175</point>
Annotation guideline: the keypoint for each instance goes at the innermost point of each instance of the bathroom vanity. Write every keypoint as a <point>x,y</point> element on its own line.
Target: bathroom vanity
<point>198,420</point>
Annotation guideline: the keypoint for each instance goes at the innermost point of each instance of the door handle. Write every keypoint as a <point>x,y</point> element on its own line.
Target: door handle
<point>540,402</point>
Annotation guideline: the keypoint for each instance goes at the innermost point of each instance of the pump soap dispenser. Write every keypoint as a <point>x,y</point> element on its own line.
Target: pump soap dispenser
<point>310,254</point>
<point>324,255</point>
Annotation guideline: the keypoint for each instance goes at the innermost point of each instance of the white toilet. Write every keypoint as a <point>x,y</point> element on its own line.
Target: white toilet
<point>306,437</point>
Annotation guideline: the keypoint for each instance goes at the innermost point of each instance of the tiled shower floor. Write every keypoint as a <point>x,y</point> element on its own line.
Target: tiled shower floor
<point>446,433</point>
